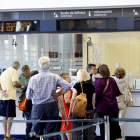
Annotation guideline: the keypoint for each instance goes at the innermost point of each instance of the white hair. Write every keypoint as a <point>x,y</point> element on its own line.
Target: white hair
<point>44,62</point>
<point>82,75</point>
<point>15,64</point>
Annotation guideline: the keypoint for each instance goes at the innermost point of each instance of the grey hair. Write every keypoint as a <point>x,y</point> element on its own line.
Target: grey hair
<point>44,62</point>
<point>15,64</point>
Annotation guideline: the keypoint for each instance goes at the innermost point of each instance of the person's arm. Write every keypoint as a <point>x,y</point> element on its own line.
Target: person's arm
<point>20,80</point>
<point>15,80</point>
<point>67,97</point>
<point>65,87</point>
<point>118,92</point>
<point>3,92</point>
<point>121,93</point>
<point>56,95</point>
<point>64,84</point>
<point>17,84</point>
<point>62,109</point>
<point>99,90</point>
<point>72,100</point>
<point>0,88</point>
<point>93,100</point>
<point>29,90</point>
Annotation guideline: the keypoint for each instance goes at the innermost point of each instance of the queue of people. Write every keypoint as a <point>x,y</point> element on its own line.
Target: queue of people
<point>105,96</point>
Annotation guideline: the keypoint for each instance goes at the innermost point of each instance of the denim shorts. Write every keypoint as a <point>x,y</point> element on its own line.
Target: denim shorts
<point>7,108</point>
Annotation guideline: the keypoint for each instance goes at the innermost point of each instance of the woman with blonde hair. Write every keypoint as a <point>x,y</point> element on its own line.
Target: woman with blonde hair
<point>123,87</point>
<point>88,88</point>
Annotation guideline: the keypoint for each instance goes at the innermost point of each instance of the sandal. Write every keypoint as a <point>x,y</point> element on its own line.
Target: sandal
<point>10,138</point>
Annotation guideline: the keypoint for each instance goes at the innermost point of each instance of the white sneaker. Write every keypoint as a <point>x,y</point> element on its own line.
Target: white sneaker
<point>123,138</point>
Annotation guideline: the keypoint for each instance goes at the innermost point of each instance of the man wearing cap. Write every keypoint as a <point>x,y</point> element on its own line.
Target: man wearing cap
<point>25,75</point>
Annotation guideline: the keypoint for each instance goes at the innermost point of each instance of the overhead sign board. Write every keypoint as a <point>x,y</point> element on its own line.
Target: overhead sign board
<point>77,14</point>
<point>131,12</point>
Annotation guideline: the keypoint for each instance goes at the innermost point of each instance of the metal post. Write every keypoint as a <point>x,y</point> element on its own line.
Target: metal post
<point>87,53</point>
<point>107,128</point>
<point>41,138</point>
<point>82,136</point>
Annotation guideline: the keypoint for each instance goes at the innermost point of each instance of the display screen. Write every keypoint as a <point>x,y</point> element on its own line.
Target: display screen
<point>1,27</point>
<point>19,26</point>
<point>90,24</point>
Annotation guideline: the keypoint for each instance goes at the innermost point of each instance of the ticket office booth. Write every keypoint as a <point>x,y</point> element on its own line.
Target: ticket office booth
<point>72,39</point>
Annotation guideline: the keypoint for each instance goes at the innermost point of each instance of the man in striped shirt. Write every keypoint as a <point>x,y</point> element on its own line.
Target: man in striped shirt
<point>40,90</point>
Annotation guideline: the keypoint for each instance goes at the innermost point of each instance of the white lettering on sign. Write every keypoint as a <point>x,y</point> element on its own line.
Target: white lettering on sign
<point>79,12</point>
<point>102,13</point>
<point>62,13</point>
<point>66,15</point>
<point>71,13</point>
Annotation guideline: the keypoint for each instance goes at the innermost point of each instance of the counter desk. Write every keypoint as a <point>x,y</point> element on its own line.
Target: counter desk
<point>130,129</point>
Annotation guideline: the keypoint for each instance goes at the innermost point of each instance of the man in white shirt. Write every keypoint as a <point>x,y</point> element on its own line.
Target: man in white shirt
<point>91,69</point>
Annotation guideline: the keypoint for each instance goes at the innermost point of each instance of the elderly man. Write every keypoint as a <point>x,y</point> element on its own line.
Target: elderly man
<point>25,75</point>
<point>40,89</point>
<point>8,85</point>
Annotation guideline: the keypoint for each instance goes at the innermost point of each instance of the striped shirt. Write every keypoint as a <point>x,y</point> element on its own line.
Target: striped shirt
<point>43,85</point>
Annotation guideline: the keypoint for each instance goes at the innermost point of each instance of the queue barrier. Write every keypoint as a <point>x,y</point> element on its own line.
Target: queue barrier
<point>98,121</point>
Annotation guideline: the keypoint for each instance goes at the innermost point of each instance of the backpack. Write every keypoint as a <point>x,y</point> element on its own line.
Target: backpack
<point>79,104</point>
<point>23,103</point>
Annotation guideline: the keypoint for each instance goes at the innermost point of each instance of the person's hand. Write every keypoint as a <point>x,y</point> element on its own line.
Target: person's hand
<point>3,93</point>
<point>66,123</point>
<point>55,95</point>
<point>69,116</point>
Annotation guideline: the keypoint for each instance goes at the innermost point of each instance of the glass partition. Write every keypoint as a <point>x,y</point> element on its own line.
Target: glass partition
<point>68,52</point>
<point>120,49</point>
<point>64,50</point>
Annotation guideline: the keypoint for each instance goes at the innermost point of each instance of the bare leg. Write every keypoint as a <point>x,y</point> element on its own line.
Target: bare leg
<point>63,136</point>
<point>5,126</point>
<point>69,136</point>
<point>9,126</point>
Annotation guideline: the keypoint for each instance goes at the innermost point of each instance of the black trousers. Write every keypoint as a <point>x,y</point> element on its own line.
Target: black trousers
<point>115,131</point>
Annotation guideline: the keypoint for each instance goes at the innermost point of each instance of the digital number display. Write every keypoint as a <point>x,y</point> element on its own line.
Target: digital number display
<point>90,24</point>
<point>19,26</point>
<point>1,27</point>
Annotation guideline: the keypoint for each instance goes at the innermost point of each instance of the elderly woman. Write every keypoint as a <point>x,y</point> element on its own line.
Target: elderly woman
<point>88,88</point>
<point>106,103</point>
<point>123,87</point>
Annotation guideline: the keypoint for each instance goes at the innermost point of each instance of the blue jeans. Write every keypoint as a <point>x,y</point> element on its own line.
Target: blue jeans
<point>45,112</point>
<point>28,125</point>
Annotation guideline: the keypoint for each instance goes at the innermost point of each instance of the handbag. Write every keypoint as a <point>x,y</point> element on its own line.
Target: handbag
<point>106,86</point>
<point>129,100</point>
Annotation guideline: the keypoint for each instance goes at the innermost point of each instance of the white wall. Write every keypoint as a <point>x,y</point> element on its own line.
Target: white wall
<point>32,4</point>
